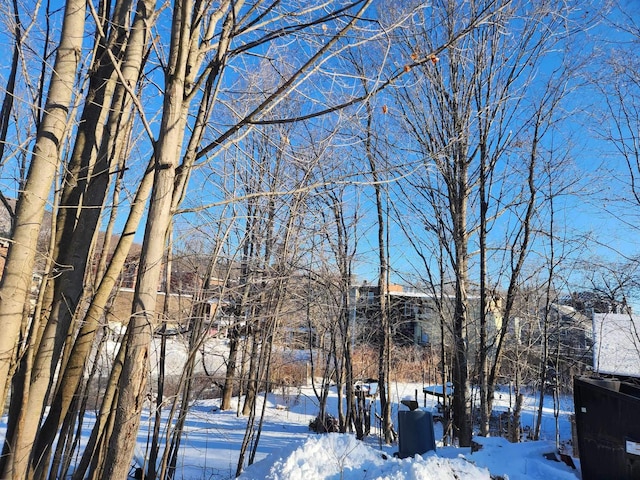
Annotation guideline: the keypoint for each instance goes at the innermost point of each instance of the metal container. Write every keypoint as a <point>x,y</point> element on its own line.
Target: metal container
<point>415,433</point>
<point>607,415</point>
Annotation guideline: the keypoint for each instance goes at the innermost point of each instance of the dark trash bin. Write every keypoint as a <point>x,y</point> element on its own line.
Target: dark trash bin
<point>415,433</point>
<point>607,416</point>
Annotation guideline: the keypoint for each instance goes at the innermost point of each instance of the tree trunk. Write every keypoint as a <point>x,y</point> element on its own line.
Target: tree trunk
<point>458,197</point>
<point>483,364</point>
<point>252,373</point>
<point>514,434</point>
<point>229,379</point>
<point>461,402</point>
<point>93,455</point>
<point>85,339</point>
<point>347,357</point>
<point>170,457</point>
<point>234,333</point>
<point>150,467</point>
<point>143,320</point>
<point>17,277</point>
<point>133,380</point>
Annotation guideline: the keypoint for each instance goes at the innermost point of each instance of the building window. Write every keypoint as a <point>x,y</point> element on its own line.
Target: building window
<point>411,309</point>
<point>408,309</point>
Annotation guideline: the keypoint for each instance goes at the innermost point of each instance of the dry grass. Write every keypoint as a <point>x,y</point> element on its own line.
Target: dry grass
<point>408,364</point>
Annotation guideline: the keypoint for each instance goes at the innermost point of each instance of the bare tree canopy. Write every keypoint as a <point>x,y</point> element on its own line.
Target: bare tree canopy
<point>230,168</point>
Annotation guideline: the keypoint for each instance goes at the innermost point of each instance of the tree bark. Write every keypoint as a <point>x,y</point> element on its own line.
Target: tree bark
<point>70,285</point>
<point>133,380</point>
<point>17,277</point>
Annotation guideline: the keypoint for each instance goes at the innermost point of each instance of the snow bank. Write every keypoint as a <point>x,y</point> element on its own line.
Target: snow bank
<point>515,461</point>
<point>342,456</point>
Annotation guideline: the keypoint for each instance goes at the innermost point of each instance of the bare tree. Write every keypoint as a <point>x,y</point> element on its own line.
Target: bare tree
<point>341,236</point>
<point>86,183</point>
<point>187,55</point>
<point>467,114</point>
<point>188,79</point>
<point>615,119</point>
<point>372,153</point>
<point>17,277</point>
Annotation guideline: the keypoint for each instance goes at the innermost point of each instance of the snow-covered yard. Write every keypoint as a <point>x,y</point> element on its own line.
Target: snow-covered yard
<point>288,450</point>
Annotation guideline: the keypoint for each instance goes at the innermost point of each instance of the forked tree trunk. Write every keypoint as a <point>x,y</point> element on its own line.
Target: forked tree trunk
<point>133,380</point>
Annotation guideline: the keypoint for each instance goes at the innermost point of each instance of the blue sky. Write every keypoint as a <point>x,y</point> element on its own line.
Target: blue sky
<point>610,222</point>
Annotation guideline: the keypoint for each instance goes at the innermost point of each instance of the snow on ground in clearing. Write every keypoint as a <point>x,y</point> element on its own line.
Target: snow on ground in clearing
<point>288,450</point>
<point>336,456</point>
<point>342,456</point>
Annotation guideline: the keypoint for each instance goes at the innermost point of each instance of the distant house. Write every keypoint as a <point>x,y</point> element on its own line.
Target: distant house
<point>186,296</point>
<point>417,317</point>
<point>186,280</point>
<point>593,329</point>
<point>560,333</point>
<point>571,336</point>
<point>572,329</point>
<point>590,302</point>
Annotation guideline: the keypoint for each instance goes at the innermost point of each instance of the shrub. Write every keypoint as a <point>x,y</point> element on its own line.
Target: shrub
<point>327,425</point>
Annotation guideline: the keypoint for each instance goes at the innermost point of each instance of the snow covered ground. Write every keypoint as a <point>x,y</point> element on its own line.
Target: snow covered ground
<point>288,450</point>
<point>336,456</point>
